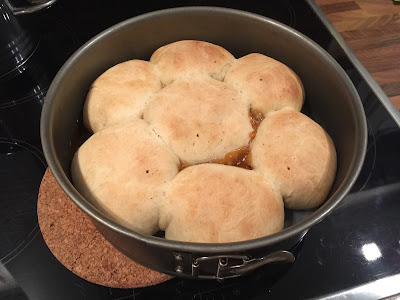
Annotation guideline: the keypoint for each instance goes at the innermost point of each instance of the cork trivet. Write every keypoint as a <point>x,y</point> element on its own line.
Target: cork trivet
<point>76,243</point>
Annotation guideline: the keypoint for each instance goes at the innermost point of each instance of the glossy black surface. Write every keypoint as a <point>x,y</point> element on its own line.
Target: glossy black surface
<point>356,244</point>
<point>17,43</point>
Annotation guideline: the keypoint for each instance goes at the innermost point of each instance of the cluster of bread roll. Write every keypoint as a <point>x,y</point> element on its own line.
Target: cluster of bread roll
<point>157,125</point>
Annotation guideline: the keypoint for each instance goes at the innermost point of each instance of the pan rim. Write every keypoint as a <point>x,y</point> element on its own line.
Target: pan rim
<point>62,179</point>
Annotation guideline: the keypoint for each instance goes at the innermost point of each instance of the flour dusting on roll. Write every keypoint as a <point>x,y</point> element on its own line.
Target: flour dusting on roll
<point>200,118</point>
<point>268,84</point>
<point>120,94</point>
<point>298,154</point>
<point>124,169</point>
<point>188,57</point>
<point>213,203</point>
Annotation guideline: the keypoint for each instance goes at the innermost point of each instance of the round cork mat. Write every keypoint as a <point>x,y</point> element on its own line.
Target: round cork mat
<point>76,243</point>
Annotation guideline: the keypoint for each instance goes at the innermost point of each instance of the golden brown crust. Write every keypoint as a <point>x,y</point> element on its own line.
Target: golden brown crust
<point>120,94</point>
<point>200,118</point>
<point>124,169</point>
<point>189,57</point>
<point>267,83</point>
<point>298,155</point>
<point>213,203</point>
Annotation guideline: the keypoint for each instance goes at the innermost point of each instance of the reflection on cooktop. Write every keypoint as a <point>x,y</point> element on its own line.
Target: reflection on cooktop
<point>22,97</point>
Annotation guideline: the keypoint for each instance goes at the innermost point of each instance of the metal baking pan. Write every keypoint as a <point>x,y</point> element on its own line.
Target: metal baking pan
<point>331,100</point>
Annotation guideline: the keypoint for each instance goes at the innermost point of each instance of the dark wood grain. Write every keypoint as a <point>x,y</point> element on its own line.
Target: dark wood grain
<point>339,7</point>
<point>372,29</point>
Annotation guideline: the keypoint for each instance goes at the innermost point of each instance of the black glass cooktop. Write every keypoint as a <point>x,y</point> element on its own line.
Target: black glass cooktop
<point>343,256</point>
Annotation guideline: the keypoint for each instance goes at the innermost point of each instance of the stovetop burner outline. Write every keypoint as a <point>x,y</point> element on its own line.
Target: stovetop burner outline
<point>29,230</point>
<point>292,13</point>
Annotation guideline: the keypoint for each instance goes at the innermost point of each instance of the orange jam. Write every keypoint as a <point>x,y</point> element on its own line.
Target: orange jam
<point>240,157</point>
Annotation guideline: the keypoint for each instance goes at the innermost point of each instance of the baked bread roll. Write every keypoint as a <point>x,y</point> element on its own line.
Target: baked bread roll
<point>120,94</point>
<point>298,155</point>
<point>200,118</point>
<point>187,57</point>
<point>124,169</point>
<point>212,203</point>
<point>191,109</point>
<point>267,83</point>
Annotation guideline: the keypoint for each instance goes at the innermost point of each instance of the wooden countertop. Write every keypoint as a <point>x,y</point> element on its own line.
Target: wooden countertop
<point>372,29</point>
